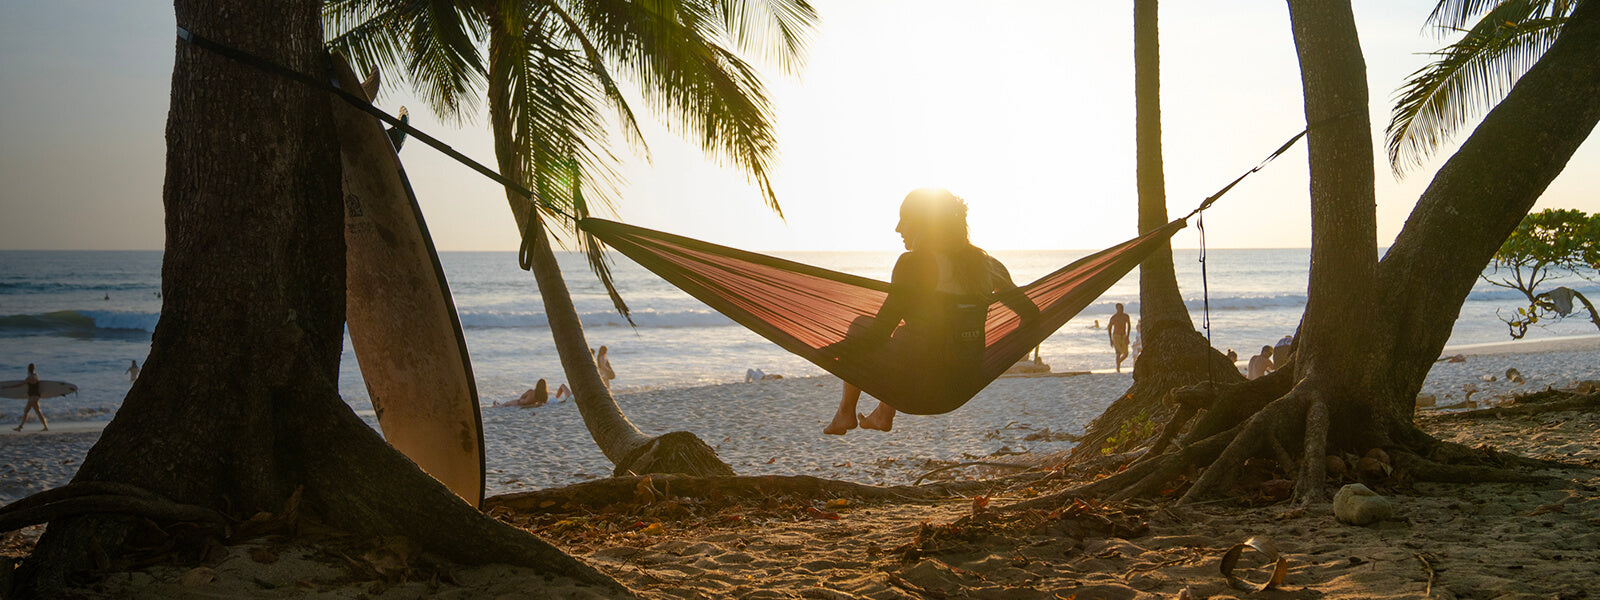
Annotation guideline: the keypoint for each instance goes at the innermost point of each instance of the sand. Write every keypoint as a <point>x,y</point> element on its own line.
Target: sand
<point>1445,541</point>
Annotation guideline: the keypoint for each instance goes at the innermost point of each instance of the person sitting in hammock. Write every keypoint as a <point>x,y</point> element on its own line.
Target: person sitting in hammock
<point>941,289</point>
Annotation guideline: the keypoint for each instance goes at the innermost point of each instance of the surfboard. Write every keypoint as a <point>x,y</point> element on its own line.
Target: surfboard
<point>403,324</point>
<point>18,389</point>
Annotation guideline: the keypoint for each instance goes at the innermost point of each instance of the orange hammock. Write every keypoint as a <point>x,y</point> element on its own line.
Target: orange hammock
<point>806,309</point>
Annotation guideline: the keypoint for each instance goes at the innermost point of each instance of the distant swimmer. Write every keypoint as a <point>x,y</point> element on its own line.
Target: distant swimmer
<point>1259,364</point>
<point>133,371</point>
<point>32,381</point>
<point>1117,328</point>
<point>603,362</point>
<point>1096,324</point>
<point>108,296</point>
<point>538,396</point>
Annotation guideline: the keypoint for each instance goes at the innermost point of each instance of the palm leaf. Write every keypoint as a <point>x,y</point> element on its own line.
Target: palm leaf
<point>777,30</point>
<point>701,89</point>
<point>1468,77</point>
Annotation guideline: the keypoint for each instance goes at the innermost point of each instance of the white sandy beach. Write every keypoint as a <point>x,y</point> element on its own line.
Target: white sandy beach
<point>773,427</point>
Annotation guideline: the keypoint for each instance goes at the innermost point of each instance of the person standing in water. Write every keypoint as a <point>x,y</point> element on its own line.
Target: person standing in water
<point>32,381</point>
<point>1117,328</point>
<point>133,371</point>
<point>941,288</point>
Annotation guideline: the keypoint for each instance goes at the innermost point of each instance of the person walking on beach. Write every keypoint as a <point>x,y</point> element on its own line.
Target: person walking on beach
<point>133,371</point>
<point>32,381</point>
<point>1260,364</point>
<point>941,288</point>
<point>1117,328</point>
<point>603,362</point>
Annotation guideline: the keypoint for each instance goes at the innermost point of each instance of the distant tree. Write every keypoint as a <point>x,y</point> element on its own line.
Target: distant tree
<point>1472,74</point>
<point>1545,248</point>
<point>237,411</point>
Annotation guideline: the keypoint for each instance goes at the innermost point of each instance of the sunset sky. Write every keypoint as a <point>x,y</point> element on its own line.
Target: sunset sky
<point>1025,108</point>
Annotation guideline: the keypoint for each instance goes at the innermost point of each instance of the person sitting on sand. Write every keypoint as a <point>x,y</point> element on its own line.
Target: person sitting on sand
<point>941,288</point>
<point>1260,364</point>
<point>32,381</point>
<point>538,396</point>
<point>1282,352</point>
<point>133,371</point>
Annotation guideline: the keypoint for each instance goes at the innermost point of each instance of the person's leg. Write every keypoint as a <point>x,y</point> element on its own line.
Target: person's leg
<point>43,422</point>
<point>845,418</point>
<point>881,419</point>
<point>32,403</point>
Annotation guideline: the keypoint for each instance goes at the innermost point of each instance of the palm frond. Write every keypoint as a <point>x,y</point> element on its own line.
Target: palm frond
<point>368,33</point>
<point>701,89</point>
<point>602,74</point>
<point>1451,16</point>
<point>1469,77</point>
<point>779,31</point>
<point>445,67</point>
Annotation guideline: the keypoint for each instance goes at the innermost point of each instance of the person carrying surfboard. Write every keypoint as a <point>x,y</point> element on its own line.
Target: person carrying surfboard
<point>32,382</point>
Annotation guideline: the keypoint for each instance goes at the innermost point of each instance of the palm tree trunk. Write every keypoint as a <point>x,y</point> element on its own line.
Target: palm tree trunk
<point>622,443</point>
<point>1160,302</point>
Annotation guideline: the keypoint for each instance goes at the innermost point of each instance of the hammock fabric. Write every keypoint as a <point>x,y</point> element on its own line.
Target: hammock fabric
<point>806,309</point>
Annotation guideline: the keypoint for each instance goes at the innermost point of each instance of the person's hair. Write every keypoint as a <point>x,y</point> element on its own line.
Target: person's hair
<point>602,349</point>
<point>1119,306</point>
<point>943,218</point>
<point>1266,350</point>
<point>30,367</point>
<point>541,388</point>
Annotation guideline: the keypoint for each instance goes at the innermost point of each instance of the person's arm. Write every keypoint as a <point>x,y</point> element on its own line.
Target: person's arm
<point>1009,294</point>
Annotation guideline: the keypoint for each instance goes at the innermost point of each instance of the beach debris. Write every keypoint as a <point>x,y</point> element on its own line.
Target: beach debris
<point>1587,386</point>
<point>1514,376</point>
<point>1427,400</point>
<point>1453,359</point>
<point>1488,378</point>
<point>198,576</point>
<point>1374,465</point>
<point>1280,565</point>
<point>1470,389</point>
<point>1335,467</point>
<point>1356,504</point>
<point>838,503</point>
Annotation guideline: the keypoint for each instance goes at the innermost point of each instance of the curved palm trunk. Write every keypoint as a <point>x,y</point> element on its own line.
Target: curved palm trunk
<point>622,443</point>
<point>612,431</point>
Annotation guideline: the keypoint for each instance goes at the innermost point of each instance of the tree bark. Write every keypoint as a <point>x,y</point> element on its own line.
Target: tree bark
<point>238,406</point>
<point>1160,302</point>
<point>618,438</point>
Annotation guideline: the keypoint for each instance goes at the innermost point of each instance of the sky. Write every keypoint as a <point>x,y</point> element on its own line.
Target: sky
<point>1025,108</point>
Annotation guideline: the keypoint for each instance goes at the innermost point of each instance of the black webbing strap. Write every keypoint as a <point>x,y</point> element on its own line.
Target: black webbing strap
<point>1275,154</point>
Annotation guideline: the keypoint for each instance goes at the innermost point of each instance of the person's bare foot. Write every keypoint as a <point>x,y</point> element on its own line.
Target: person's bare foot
<point>877,420</point>
<point>842,422</point>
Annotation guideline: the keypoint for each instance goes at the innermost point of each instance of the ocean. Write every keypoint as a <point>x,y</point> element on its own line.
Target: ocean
<point>81,316</point>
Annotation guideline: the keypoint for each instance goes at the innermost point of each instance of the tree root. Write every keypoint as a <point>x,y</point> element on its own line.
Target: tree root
<point>605,492</point>
<point>1581,403</point>
<point>159,510</point>
<point>676,452</point>
<point>1422,469</point>
<point>1139,479</point>
<point>77,489</point>
<point>1309,486</point>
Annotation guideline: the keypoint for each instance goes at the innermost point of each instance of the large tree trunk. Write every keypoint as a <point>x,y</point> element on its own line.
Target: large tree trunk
<point>623,444</point>
<point>1372,331</point>
<point>1174,354</point>
<point>237,406</point>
